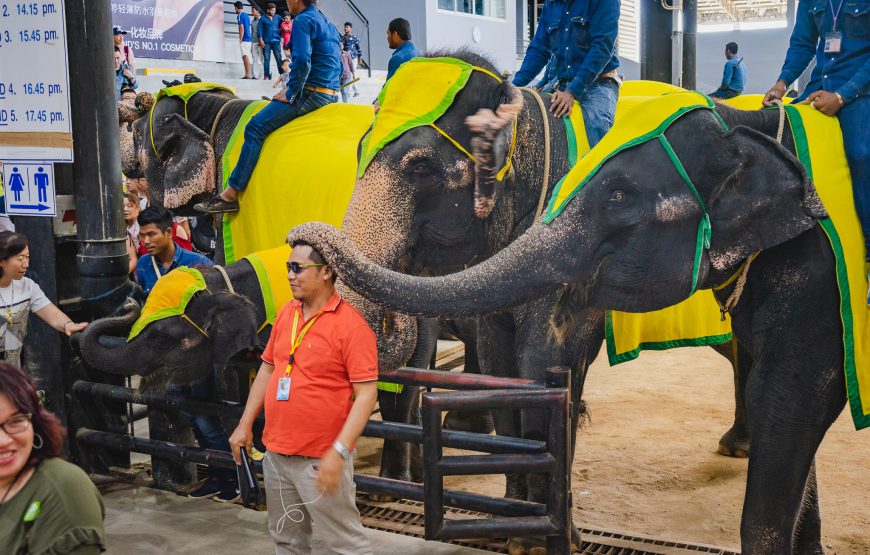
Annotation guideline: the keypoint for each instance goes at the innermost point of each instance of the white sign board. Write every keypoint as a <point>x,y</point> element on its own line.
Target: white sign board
<point>29,189</point>
<point>35,121</point>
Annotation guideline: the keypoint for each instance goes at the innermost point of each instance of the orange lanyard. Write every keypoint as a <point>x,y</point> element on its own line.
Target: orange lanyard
<point>296,341</point>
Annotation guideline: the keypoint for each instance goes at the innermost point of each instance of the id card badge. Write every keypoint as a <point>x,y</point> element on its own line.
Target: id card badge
<point>833,42</point>
<point>283,389</point>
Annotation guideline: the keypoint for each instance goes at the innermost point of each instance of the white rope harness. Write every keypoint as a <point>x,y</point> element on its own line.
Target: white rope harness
<point>546,180</point>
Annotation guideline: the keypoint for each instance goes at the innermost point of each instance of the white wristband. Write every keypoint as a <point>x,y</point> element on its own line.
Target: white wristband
<point>342,449</point>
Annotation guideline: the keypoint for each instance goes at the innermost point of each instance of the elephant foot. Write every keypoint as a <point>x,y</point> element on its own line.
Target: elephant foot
<point>515,486</point>
<point>381,498</point>
<point>734,444</point>
<point>416,457</point>
<point>470,421</point>
<point>394,473</point>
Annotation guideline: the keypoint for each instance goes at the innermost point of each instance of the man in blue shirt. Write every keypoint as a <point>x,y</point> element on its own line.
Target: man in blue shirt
<point>837,34</point>
<point>734,77</point>
<point>155,232</point>
<point>314,80</point>
<point>244,21</point>
<point>582,36</point>
<point>351,44</point>
<point>270,40</point>
<point>399,39</point>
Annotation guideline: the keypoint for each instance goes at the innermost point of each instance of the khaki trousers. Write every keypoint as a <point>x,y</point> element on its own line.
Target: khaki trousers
<point>294,505</point>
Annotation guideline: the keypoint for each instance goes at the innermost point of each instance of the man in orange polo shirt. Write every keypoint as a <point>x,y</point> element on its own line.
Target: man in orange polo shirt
<point>317,404</point>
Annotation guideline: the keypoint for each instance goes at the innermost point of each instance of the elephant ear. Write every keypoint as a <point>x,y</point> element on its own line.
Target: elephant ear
<point>491,137</point>
<point>231,323</point>
<point>187,160</point>
<point>767,199</point>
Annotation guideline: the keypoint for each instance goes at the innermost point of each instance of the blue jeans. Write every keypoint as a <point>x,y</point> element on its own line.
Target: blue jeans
<point>272,117</point>
<point>268,50</point>
<point>207,429</point>
<point>856,140</point>
<point>599,108</point>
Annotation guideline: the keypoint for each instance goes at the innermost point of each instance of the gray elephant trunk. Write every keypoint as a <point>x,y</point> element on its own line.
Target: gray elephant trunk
<point>103,344</point>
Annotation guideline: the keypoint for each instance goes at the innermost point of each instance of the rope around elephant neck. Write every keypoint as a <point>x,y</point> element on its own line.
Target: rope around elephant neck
<point>218,117</point>
<point>743,273</point>
<point>546,180</point>
<point>226,277</point>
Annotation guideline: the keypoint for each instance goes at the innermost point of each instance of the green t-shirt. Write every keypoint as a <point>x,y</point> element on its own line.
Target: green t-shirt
<point>58,511</point>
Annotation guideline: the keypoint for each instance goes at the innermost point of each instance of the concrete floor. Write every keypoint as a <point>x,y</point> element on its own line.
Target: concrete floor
<point>144,521</point>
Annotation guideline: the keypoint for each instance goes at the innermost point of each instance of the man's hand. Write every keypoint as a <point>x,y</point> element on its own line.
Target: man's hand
<point>562,103</point>
<point>128,74</point>
<point>825,102</point>
<point>776,92</point>
<point>262,44</point>
<point>280,96</point>
<point>242,437</point>
<point>329,473</point>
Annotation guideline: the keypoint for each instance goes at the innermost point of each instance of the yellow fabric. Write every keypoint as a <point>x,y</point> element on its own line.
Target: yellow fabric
<point>635,123</point>
<point>169,297</point>
<point>306,173</point>
<point>648,88</point>
<point>833,182</point>
<point>420,91</point>
<point>186,91</point>
<point>271,268</point>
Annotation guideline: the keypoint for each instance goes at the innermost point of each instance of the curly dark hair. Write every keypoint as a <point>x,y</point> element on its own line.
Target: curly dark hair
<point>18,387</point>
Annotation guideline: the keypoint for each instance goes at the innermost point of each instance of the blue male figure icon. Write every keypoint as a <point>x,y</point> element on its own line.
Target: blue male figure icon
<point>40,179</point>
<point>16,184</point>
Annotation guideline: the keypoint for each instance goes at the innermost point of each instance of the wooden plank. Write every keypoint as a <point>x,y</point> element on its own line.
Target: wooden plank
<point>29,139</point>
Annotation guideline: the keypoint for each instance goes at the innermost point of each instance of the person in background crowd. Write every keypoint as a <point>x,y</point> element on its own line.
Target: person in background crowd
<point>270,40</point>
<point>128,94</point>
<point>163,255</point>
<point>313,84</point>
<point>282,80</point>
<point>581,34</point>
<point>244,22</point>
<point>331,387</point>
<point>139,187</point>
<point>131,212</point>
<point>286,28</point>
<point>399,40</point>
<point>839,84</point>
<point>124,77</point>
<point>256,49</point>
<point>126,51</point>
<point>19,296</point>
<point>351,44</point>
<point>734,76</point>
<point>48,505</point>
<point>346,74</point>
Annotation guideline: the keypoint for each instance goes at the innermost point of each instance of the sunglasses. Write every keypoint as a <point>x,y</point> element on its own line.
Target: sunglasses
<point>297,268</point>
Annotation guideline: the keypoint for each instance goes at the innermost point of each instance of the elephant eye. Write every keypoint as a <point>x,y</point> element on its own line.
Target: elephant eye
<point>617,196</point>
<point>420,168</point>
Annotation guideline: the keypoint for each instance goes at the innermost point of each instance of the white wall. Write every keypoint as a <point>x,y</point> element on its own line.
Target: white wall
<point>498,37</point>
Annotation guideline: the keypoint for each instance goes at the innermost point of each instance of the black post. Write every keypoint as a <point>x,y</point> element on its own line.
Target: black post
<point>655,41</point>
<point>690,44</point>
<point>559,500</point>
<point>41,356</point>
<point>102,259</point>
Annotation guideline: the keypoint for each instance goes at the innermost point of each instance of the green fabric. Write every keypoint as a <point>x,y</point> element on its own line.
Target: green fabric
<point>570,132</point>
<point>69,516</point>
<point>169,297</point>
<point>265,287</point>
<point>614,358</point>
<point>390,387</point>
<point>186,91</point>
<point>369,151</point>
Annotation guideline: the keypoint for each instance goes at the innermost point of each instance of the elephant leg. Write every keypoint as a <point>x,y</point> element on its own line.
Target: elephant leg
<point>479,421</point>
<point>808,535</point>
<point>397,407</point>
<point>791,399</point>
<point>735,442</point>
<point>496,354</point>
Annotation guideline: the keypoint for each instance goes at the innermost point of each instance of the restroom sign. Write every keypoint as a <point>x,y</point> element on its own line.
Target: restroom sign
<point>29,189</point>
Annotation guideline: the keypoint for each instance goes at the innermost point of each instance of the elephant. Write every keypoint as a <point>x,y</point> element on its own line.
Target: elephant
<point>413,211</point>
<point>628,241</point>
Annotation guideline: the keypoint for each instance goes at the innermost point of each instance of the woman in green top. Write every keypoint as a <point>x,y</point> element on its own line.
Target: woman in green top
<point>47,505</point>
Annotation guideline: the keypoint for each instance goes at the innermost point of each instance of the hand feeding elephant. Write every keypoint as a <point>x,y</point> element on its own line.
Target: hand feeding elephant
<point>178,146</point>
<point>413,211</point>
<point>629,240</point>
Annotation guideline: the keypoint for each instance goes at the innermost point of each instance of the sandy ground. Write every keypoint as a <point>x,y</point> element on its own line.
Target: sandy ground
<point>647,462</point>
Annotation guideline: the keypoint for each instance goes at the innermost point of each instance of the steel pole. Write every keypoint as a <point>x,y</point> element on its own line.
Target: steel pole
<point>690,44</point>
<point>655,41</point>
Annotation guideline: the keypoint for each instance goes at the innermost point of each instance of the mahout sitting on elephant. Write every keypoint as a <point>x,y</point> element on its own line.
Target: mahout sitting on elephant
<point>630,239</point>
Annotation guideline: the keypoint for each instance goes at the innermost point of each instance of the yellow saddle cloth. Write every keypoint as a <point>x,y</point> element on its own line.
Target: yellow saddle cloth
<point>169,297</point>
<point>270,267</point>
<point>306,172</point>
